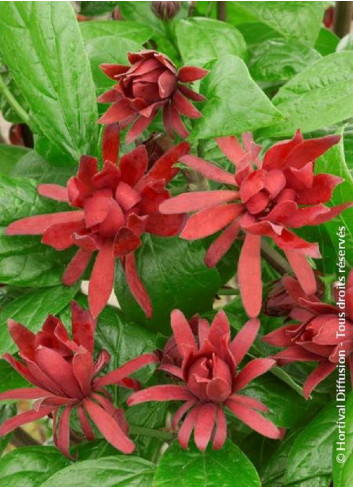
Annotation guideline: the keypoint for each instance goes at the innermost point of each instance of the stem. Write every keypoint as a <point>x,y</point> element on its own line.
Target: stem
<point>222,11</point>
<point>13,102</point>
<point>162,435</point>
<point>343,18</point>
<point>225,291</point>
<point>20,438</point>
<point>191,9</point>
<point>274,258</point>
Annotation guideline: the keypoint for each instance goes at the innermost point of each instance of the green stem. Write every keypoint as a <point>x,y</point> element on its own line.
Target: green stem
<point>13,102</point>
<point>274,258</point>
<point>225,291</point>
<point>140,430</point>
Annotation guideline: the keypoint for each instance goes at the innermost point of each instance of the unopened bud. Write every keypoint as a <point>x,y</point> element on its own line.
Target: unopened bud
<point>165,10</point>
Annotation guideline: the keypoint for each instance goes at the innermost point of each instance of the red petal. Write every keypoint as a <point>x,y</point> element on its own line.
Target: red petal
<point>76,267</point>
<point>302,270</point>
<point>111,142</point>
<point>133,165</point>
<point>179,413</point>
<point>317,375</point>
<point>220,434</point>
<point>102,279</point>
<point>222,244</point>
<point>231,147</point>
<point>126,196</point>
<point>250,402</point>
<point>136,286</point>
<point>109,427</point>
<point>163,167</point>
<point>138,127</point>
<point>56,192</point>
<point>195,201</point>
<point>117,375</point>
<point>82,366</point>
<point>125,242</point>
<point>85,424</point>
<point>39,224</point>
<point>197,97</point>
<point>186,428</point>
<point>183,334</point>
<point>281,336</point>
<point>110,96</point>
<point>244,339</point>
<point>208,170</point>
<point>23,337</point>
<point>177,123</point>
<point>115,220</point>
<point>255,420</point>
<point>166,392</point>
<point>296,354</point>
<point>97,206</point>
<point>188,74</point>
<point>292,242</point>
<point>167,83</point>
<point>165,225</point>
<point>250,284</point>
<point>184,107</point>
<point>209,221</point>
<point>83,326</point>
<point>88,167</point>
<point>309,150</point>
<point>23,418</point>
<point>276,156</point>
<point>252,184</point>
<point>119,111</point>
<point>204,425</point>
<point>112,70</point>
<point>253,369</point>
<point>63,437</point>
<point>59,236</point>
<point>24,393</point>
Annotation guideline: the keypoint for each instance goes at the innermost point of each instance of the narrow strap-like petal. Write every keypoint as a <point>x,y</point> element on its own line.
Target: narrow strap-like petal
<point>63,432</point>
<point>85,424</point>
<point>24,393</point>
<point>117,375</point>
<point>166,392</point>
<point>184,107</point>
<point>138,127</point>
<point>209,170</point>
<point>60,236</point>
<point>188,74</point>
<point>253,369</point>
<point>52,191</point>
<point>303,271</point>
<point>136,286</point>
<point>250,402</point>
<point>222,244</point>
<point>195,201</point>
<point>188,425</point>
<point>76,267</point>
<point>204,425</point>
<point>82,366</point>
<point>249,275</point>
<point>183,334</point>
<point>230,146</point>
<point>102,279</point>
<point>109,427</point>
<point>220,433</point>
<point>320,373</point>
<point>163,167</point>
<point>296,354</point>
<point>111,143</point>
<point>21,419</point>
<point>36,225</point>
<point>244,339</point>
<point>183,409</point>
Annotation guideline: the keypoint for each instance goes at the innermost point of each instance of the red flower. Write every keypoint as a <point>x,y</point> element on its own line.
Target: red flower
<point>150,83</point>
<point>284,294</point>
<point>209,381</point>
<point>66,378</point>
<point>263,198</point>
<point>115,207</point>
<point>318,336</point>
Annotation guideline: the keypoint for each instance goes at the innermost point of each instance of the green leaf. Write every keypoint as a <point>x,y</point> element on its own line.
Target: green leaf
<point>256,33</point>
<point>191,468</point>
<point>9,378</point>
<point>343,472</point>
<point>30,466</point>
<point>6,412</point>
<point>57,82</point>
<point>127,29</point>
<point>300,20</point>
<point>310,459</point>
<point>318,96</point>
<point>175,276</point>
<point>141,13</point>
<point>235,104</point>
<point>279,60</point>
<point>9,156</point>
<point>115,471</point>
<point>327,42</point>
<point>200,40</point>
<point>346,43</point>
<point>32,309</point>
<point>91,9</point>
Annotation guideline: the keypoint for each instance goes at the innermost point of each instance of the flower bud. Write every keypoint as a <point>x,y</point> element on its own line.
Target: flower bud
<point>165,10</point>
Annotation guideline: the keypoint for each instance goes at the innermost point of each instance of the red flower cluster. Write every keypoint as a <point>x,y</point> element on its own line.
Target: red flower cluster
<point>206,365</point>
<point>116,205</point>
<point>264,198</point>
<point>322,332</point>
<point>66,378</point>
<point>150,83</point>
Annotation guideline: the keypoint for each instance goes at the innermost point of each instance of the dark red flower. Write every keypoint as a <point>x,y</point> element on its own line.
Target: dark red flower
<point>116,205</point>
<point>318,336</point>
<point>66,378</point>
<point>150,83</point>
<point>209,381</point>
<point>165,10</point>
<point>263,198</point>
<point>284,294</point>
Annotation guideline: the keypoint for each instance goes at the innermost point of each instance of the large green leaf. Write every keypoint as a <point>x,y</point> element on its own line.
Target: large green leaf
<point>310,459</point>
<point>9,156</point>
<point>300,20</point>
<point>51,69</point>
<point>32,309</point>
<point>175,276</point>
<point>235,104</point>
<point>96,8</point>
<point>9,378</point>
<point>191,468</point>
<point>30,466</point>
<point>128,30</point>
<point>318,96</point>
<point>343,459</point>
<point>279,60</point>
<point>200,40</point>
<point>327,42</point>
<point>141,13</point>
<point>118,471</point>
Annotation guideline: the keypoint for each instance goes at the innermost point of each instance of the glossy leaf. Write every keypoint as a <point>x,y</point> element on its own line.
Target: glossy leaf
<point>30,466</point>
<point>32,309</point>
<point>59,91</point>
<point>235,104</point>
<point>175,275</point>
<point>325,84</point>
<point>191,468</point>
<point>127,29</point>
<point>9,156</point>
<point>327,42</point>
<point>113,471</point>
<point>200,40</point>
